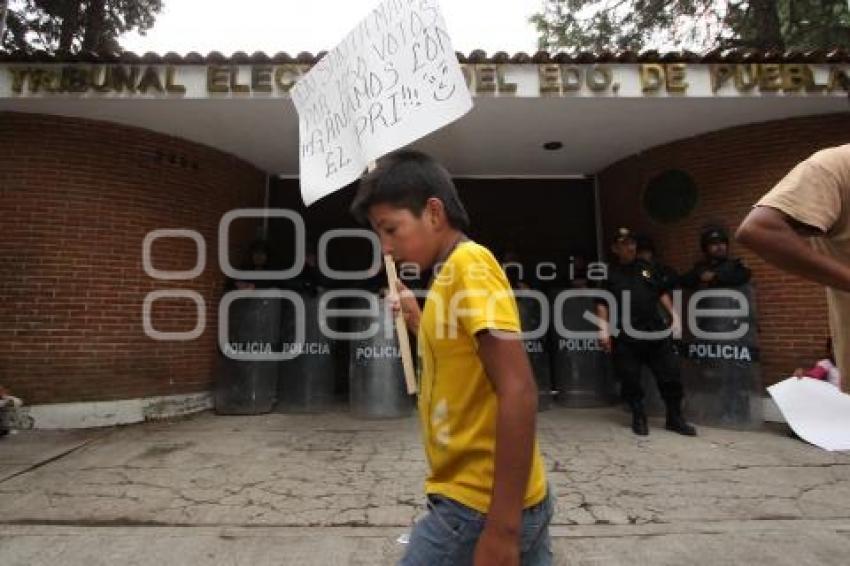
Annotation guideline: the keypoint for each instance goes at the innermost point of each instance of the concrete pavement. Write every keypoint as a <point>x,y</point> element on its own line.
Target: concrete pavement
<point>330,489</point>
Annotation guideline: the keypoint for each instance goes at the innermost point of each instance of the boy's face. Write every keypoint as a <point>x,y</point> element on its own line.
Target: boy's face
<point>404,235</point>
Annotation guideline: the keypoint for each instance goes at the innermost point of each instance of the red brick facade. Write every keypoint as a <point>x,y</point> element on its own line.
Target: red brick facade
<point>77,198</point>
<point>732,168</point>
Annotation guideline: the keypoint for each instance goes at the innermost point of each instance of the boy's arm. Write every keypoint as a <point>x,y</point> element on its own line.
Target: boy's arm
<point>506,364</point>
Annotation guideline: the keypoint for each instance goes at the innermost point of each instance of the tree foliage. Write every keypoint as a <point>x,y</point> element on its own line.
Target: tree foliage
<point>692,24</point>
<point>69,26</point>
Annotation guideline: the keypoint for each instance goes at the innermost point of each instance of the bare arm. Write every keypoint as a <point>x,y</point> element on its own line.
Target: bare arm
<point>604,327</point>
<point>507,366</point>
<point>770,233</point>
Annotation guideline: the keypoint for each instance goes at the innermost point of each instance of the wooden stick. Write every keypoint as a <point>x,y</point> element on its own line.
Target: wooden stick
<point>401,328</point>
<point>400,325</point>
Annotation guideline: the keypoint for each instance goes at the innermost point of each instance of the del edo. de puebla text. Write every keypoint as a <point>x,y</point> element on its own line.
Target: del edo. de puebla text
<point>544,80</point>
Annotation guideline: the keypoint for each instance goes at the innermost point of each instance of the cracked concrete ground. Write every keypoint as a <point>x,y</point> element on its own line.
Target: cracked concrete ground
<point>330,489</point>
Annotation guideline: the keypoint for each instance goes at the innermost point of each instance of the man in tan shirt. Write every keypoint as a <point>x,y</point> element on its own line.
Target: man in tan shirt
<point>812,201</point>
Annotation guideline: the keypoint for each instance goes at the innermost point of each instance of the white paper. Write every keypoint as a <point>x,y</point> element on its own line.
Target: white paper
<point>816,410</point>
<point>392,80</point>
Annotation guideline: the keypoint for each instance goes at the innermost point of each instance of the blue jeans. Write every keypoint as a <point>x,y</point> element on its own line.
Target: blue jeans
<point>447,535</point>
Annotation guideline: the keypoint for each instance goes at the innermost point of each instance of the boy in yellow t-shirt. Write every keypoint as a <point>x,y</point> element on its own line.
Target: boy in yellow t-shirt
<point>486,492</point>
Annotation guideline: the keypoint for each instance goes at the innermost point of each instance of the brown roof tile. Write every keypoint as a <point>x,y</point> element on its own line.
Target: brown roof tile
<point>478,56</point>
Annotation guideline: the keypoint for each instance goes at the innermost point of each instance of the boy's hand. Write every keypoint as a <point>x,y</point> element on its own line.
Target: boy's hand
<point>405,301</point>
<point>496,549</point>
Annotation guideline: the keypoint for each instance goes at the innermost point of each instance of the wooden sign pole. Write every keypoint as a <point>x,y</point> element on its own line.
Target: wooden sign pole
<point>401,328</point>
<point>400,325</point>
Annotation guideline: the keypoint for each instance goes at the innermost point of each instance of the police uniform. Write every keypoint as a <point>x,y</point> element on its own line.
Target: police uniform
<point>637,289</point>
<point>249,266</point>
<point>669,277</point>
<point>728,272</point>
<point>311,281</point>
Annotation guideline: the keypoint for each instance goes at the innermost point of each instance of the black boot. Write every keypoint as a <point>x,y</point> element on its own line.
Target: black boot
<point>677,423</point>
<point>639,424</point>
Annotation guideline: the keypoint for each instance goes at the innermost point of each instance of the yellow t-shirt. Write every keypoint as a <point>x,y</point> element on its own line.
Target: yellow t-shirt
<point>457,403</point>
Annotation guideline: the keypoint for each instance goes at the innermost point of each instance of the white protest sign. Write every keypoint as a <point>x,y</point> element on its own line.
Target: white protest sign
<point>816,410</point>
<point>392,80</point>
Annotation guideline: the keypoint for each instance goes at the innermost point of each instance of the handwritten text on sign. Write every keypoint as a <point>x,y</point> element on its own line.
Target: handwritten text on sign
<point>391,81</point>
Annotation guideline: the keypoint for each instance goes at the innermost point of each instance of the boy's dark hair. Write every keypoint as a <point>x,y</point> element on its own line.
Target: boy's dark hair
<point>407,179</point>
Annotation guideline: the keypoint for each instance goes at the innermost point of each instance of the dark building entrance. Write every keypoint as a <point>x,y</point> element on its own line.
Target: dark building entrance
<point>541,223</point>
<point>539,220</point>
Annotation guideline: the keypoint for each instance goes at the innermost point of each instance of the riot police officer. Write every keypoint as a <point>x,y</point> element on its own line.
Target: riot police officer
<point>646,252</point>
<point>716,269</point>
<point>637,334</point>
<point>312,281</point>
<point>257,260</point>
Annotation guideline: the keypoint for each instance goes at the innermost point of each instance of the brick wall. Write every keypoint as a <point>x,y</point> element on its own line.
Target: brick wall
<point>732,169</point>
<point>76,200</point>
